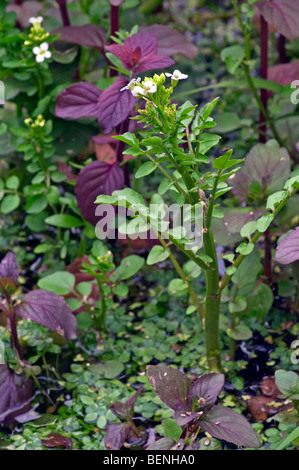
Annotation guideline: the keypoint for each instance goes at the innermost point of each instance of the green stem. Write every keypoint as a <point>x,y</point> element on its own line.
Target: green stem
<point>100,319</point>
<point>212,306</point>
<point>184,278</point>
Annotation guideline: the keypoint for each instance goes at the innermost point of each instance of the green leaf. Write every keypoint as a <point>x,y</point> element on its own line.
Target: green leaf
<point>36,203</point>
<point>61,282</point>
<point>263,222</point>
<point>206,110</point>
<point>128,268</point>
<point>275,199</point>
<point>128,138</point>
<point>177,287</point>
<point>228,122</point>
<point>10,203</point>
<point>290,438</point>
<point>291,184</point>
<point>12,182</point>
<point>64,221</point>
<point>121,290</point>
<point>171,429</point>
<point>207,141</point>
<point>248,229</point>
<point>233,56</point>
<point>112,368</point>
<point>288,383</point>
<point>157,255</point>
<point>238,305</point>
<point>245,248</point>
<point>240,333</point>
<point>145,169</point>
<point>84,288</point>
<point>260,302</point>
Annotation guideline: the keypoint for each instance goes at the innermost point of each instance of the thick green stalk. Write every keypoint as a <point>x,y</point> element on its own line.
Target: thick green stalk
<point>212,306</point>
<point>195,299</point>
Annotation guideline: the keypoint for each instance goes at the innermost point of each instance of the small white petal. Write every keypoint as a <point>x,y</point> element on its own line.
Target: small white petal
<point>38,19</point>
<point>168,74</point>
<point>40,58</point>
<point>137,90</point>
<point>47,54</point>
<point>36,50</point>
<point>44,46</point>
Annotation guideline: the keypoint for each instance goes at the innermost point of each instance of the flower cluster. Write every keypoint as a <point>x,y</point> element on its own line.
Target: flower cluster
<point>38,123</point>
<point>148,87</point>
<point>36,38</point>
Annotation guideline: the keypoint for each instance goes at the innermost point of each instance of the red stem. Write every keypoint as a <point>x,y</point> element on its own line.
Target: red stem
<point>263,74</point>
<point>281,47</point>
<point>263,135</point>
<point>64,13</point>
<point>114,27</point>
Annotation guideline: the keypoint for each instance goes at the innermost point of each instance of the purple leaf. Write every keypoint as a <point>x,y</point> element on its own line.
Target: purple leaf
<point>288,250</point>
<point>162,444</point>
<point>25,11</point>
<point>266,165</point>
<point>94,179</point>
<point>78,100</point>
<point>183,415</point>
<point>170,41</point>
<point>114,106</point>
<point>224,423</point>
<point>131,400</point>
<point>88,35</point>
<point>50,310</point>
<point>15,394</point>
<point>116,435</point>
<point>237,218</point>
<point>282,15</point>
<point>284,74</point>
<point>139,53</point>
<point>206,389</point>
<point>170,384</point>
<point>9,267</point>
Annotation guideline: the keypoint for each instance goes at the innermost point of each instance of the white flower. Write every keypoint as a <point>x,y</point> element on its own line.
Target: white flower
<point>176,75</point>
<point>137,90</point>
<point>131,84</point>
<point>38,19</point>
<point>42,52</point>
<point>149,86</point>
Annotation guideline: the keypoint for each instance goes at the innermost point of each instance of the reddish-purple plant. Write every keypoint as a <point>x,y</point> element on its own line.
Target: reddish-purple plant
<point>139,53</point>
<point>117,434</point>
<point>194,406</point>
<point>43,307</point>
